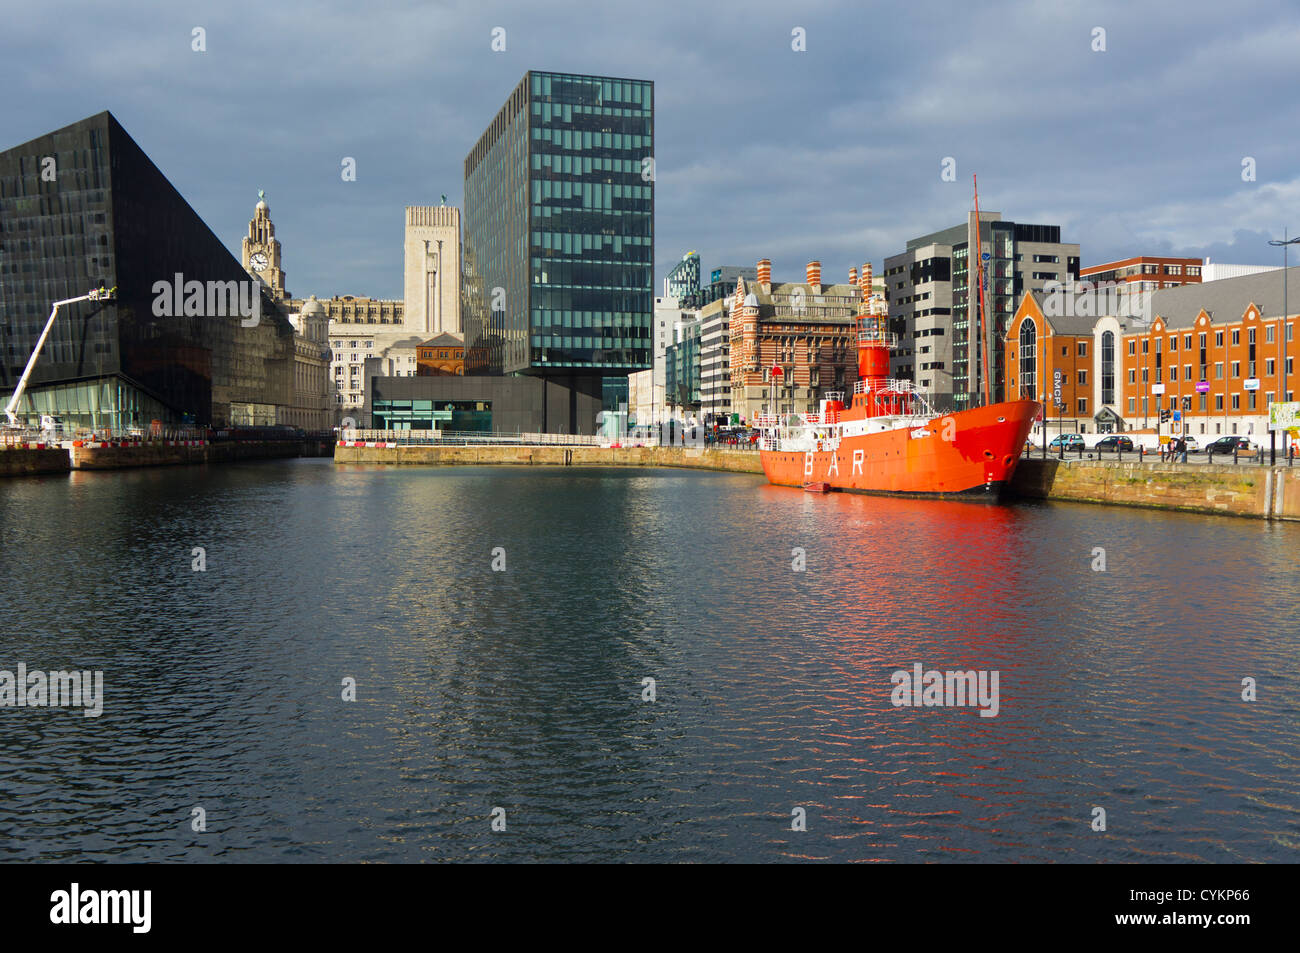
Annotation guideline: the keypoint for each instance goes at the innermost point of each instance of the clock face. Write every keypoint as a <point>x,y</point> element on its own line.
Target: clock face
<point>259,262</point>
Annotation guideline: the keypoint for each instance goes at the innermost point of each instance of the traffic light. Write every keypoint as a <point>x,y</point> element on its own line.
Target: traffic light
<point>1164,416</point>
<point>1187,403</point>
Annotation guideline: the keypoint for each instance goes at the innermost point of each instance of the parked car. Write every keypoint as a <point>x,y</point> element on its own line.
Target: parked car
<point>1071,442</point>
<point>1114,443</point>
<point>1225,446</point>
<point>1192,445</point>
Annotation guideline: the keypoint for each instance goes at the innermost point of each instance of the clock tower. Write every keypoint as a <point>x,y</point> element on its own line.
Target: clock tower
<point>260,251</point>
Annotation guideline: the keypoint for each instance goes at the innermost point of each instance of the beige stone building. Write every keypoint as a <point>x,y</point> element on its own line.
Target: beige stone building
<point>375,336</point>
<point>431,252</point>
<point>312,407</point>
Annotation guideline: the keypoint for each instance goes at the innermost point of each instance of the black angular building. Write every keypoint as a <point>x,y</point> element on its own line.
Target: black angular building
<point>84,207</point>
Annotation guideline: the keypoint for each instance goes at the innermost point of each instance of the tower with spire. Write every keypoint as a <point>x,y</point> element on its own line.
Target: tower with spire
<point>260,250</point>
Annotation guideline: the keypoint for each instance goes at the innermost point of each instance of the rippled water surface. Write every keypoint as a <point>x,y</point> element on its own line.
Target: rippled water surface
<point>523,689</point>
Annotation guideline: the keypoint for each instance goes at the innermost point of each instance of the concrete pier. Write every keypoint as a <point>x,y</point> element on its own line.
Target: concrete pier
<point>19,461</point>
<point>1254,491</point>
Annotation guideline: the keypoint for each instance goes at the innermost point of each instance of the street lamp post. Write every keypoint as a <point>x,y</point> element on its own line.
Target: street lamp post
<point>1284,244</point>
<point>1042,402</point>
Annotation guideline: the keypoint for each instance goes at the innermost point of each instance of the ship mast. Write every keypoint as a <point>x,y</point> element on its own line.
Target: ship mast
<point>983,314</point>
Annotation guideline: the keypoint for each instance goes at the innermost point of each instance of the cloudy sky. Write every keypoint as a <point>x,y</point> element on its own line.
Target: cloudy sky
<point>832,153</point>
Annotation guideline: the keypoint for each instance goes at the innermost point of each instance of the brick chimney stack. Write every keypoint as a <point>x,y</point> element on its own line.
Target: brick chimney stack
<point>813,276</point>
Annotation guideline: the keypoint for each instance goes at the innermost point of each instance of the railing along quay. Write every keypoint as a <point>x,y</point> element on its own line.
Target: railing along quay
<point>1257,457</point>
<point>452,438</point>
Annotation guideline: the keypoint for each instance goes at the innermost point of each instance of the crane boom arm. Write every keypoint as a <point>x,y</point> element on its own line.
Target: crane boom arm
<point>97,295</point>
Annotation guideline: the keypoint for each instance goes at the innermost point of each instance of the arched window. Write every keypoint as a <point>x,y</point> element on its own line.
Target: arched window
<point>1108,367</point>
<point>1028,360</point>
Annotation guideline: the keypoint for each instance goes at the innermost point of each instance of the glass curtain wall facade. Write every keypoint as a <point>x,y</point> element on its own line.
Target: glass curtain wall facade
<point>1001,288</point>
<point>684,280</point>
<point>559,229</point>
<point>84,207</point>
<point>682,371</point>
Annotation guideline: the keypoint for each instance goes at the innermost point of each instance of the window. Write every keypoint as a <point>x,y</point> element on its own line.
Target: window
<point>1065,350</point>
<point>1269,366</point>
<point>1250,399</point>
<point>1236,335</point>
<point>1083,405</point>
<point>1173,342</point>
<point>1236,401</point>
<point>1173,269</point>
<point>1218,402</point>
<point>1083,348</point>
<point>1145,342</point>
<point>1187,372</point>
<point>1187,342</point>
<point>1218,371</point>
<point>1132,377</point>
<point>1028,358</point>
<point>1236,368</point>
<point>1132,405</point>
<point>1269,336</point>
<point>1132,347</point>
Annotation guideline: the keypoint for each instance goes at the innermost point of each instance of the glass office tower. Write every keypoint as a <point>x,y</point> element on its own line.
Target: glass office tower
<point>559,231</point>
<point>84,207</point>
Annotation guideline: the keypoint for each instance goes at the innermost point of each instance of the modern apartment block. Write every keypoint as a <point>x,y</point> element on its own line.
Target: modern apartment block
<point>1138,277</point>
<point>933,300</point>
<point>722,282</point>
<point>1145,272</point>
<point>684,280</point>
<point>715,363</point>
<point>559,234</point>
<point>682,368</point>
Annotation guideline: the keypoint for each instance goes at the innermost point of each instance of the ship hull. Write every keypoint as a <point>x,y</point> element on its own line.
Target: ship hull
<point>971,454</point>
